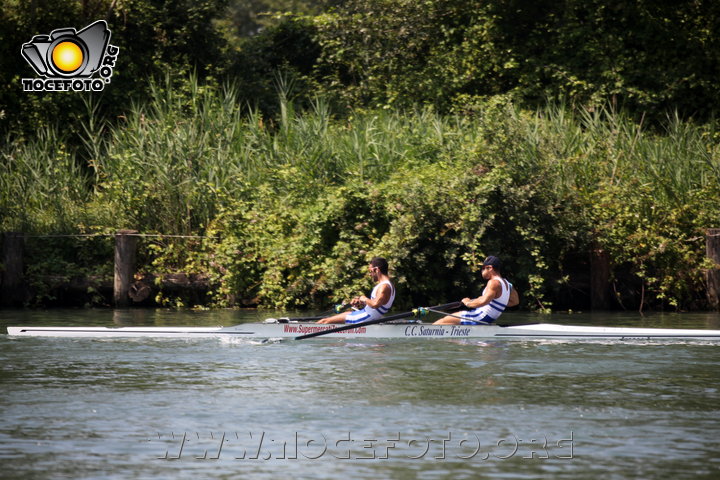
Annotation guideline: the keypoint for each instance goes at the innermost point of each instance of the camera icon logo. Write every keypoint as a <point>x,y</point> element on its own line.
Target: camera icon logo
<point>67,59</point>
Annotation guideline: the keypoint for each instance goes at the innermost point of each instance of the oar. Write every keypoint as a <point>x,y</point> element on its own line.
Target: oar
<point>397,316</point>
<point>336,309</point>
<point>430,309</point>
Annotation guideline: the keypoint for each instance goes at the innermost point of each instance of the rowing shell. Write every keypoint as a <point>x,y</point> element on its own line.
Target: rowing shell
<point>395,330</point>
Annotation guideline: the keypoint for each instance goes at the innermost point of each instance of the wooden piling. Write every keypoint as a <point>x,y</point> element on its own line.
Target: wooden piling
<point>125,251</point>
<point>12,291</point>
<point>599,278</point>
<point>713,274</point>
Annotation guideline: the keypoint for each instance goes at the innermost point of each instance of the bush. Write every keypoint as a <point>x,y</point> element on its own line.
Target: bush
<point>293,208</point>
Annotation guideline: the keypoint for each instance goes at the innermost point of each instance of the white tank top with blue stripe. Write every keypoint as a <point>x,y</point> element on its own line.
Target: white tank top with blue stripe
<point>490,312</point>
<point>496,307</point>
<point>383,309</point>
<point>369,313</point>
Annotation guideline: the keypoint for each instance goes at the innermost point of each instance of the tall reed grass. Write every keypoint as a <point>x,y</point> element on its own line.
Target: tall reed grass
<point>584,149</point>
<point>42,186</point>
<point>172,165</point>
<point>170,162</point>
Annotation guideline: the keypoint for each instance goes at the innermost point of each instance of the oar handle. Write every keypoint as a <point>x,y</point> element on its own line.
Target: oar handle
<point>481,322</point>
<point>397,316</point>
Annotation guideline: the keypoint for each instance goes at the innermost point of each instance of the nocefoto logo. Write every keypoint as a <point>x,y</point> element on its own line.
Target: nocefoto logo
<point>67,59</point>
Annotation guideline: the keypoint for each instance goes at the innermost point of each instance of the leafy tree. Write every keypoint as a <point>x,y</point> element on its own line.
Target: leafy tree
<point>648,55</point>
<point>154,36</point>
<point>280,58</point>
<point>246,18</point>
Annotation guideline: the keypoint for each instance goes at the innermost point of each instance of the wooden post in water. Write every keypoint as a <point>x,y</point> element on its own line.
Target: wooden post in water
<point>11,282</point>
<point>713,274</point>
<point>125,249</point>
<point>599,278</point>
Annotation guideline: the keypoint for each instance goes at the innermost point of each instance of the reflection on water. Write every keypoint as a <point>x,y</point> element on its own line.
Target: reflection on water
<point>211,408</point>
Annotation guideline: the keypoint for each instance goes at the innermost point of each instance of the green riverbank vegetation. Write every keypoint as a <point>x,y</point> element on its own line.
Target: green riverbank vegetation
<point>292,208</point>
<point>433,155</point>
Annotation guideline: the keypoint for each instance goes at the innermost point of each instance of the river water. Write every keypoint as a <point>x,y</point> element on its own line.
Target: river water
<point>327,409</point>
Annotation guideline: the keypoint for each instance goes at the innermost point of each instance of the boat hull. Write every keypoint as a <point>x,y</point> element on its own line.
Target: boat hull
<point>401,330</point>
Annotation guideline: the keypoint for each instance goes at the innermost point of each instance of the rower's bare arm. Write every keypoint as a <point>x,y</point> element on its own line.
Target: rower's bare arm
<point>514,298</point>
<point>382,298</point>
<point>493,291</point>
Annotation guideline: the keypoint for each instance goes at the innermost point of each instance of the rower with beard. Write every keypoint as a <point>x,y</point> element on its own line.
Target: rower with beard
<point>380,301</point>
